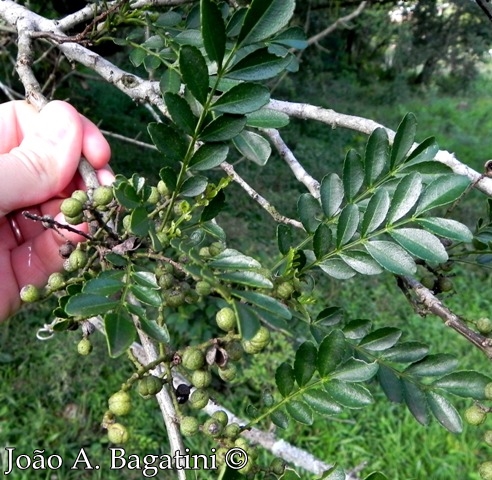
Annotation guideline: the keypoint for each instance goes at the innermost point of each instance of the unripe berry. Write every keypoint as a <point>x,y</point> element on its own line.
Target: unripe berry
<point>444,284</point>
<point>78,219</point>
<point>234,350</point>
<point>204,252</point>
<point>221,455</point>
<point>484,325</point>
<point>428,282</point>
<point>71,207</point>
<point>193,358</point>
<point>475,415</point>
<point>30,293</point>
<point>216,248</point>
<point>201,378</point>
<point>189,426</point>
<point>117,433</point>
<point>221,417</point>
<point>487,437</point>
<point>166,281</point>
<point>102,195</point>
<point>149,386</point>
<point>260,340</point>
<point>198,399</point>
<point>154,196</point>
<point>485,471</point>
<point>162,188</point>
<point>181,207</point>
<point>228,373</point>
<point>126,222</point>
<point>212,427</point>
<point>120,403</point>
<point>226,319</point>
<point>76,260</point>
<point>56,281</point>
<point>174,298</point>
<point>285,290</point>
<point>277,466</point>
<point>232,431</point>
<point>84,347</point>
<point>488,391</point>
<point>203,288</point>
<point>80,195</point>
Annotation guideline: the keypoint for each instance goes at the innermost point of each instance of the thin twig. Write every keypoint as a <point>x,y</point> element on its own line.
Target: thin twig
<point>52,223</point>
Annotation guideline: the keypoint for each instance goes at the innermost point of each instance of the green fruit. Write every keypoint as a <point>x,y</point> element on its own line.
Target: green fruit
<point>485,471</point>
<point>117,433</point>
<point>193,358</point>
<point>76,260</point>
<point>488,391</point>
<point>174,298</point>
<point>216,248</point>
<point>428,282</point>
<point>166,281</point>
<point>475,415</point>
<point>226,319</point>
<point>66,249</point>
<point>212,427</point>
<point>277,466</point>
<point>259,341</point>
<point>30,293</point>
<point>221,417</point>
<point>154,196</point>
<point>444,284</point>
<point>228,373</point>
<point>162,188</point>
<point>234,351</point>
<point>74,220</point>
<point>102,195</point>
<point>201,378</point>
<point>149,386</point>
<point>204,252</point>
<point>189,426</point>
<point>484,325</point>
<point>80,195</point>
<point>181,207</point>
<point>198,399</point>
<point>56,281</point>
<point>71,207</point>
<point>84,347</point>
<point>203,288</point>
<point>242,444</point>
<point>120,403</point>
<point>487,437</point>
<point>285,290</point>
<point>220,455</point>
<point>127,221</point>
<point>232,431</point>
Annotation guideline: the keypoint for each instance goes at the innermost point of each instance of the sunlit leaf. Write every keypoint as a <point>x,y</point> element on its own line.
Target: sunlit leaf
<point>444,412</point>
<point>253,146</point>
<point>420,243</point>
<point>223,128</point>
<point>351,395</point>
<point>300,411</point>
<point>355,370</point>
<point>381,339</point>
<point>337,268</point>
<point>259,65</point>
<point>376,211</point>
<point>321,402</point>
<point>331,194</point>
<point>447,228</point>
<point>391,257</point>
<point>467,384</point>
<point>406,195</point>
<point>361,262</point>
<point>433,365</point>
<point>209,156</point>
<point>89,305</point>
<point>243,98</point>
<point>267,118</point>
<point>193,186</point>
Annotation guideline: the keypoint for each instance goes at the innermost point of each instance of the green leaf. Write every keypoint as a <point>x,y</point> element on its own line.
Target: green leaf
<point>223,128</point>
<point>170,81</point>
<point>404,138</point>
<point>467,384</point>
<point>284,238</point>
<point>120,333</point>
<point>266,303</point>
<point>292,37</point>
<point>194,72</point>
<point>445,227</point>
<point>444,412</point>
<point>331,352</point>
<point>169,177</point>
<point>407,352</point>
<point>145,279</point>
<point>443,190</point>
<point>193,186</point>
<point>355,370</point>
<point>137,56</point>
<point>89,305</point>
<point>213,31</point>
<point>285,379</point>
<point>347,224</point>
<point>305,363</point>
<point>381,339</point>
<point>168,19</point>
<point>391,384</point>
<point>168,141</point>
<point>146,295</point>
<point>248,321</point>
<point>103,286</point>
<point>214,207</point>
<point>231,259</point>
<point>253,146</point>
<point>154,330</point>
<point>259,65</point>
<point>406,195</point>
<point>357,329</point>
<point>428,170</point>
<point>331,194</point>
<point>376,155</point>
<point>361,262</point>
<point>243,98</point>
<point>337,268</point>
<point>265,18</point>
<point>322,240</point>
<point>420,243</point>
<point>180,112</point>
<point>376,211</point>
<point>424,152</point>
<point>300,411</point>
<point>139,222</point>
<point>267,118</point>
<point>416,401</point>
<point>321,402</point>
<point>209,156</point>
<point>334,473</point>
<point>348,394</point>
<point>376,476</point>
<point>353,174</point>
<point>280,418</point>
<point>433,365</point>
<point>249,279</point>
<point>309,210</point>
<point>391,257</point>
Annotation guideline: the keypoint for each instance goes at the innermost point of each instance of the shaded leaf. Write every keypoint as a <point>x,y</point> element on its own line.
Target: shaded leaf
<point>391,257</point>
<point>292,37</point>
<point>391,384</point>
<point>381,339</point>
<point>266,303</point>
<point>223,128</point>
<point>89,305</point>
<point>322,240</point>
<point>170,81</point>
<point>376,155</point>
<point>214,207</point>
<point>120,333</point>
<point>247,320</point>
<point>420,243</point>
<point>444,412</point>
<point>355,370</point>
<point>353,174</point>
<point>250,279</point>
<point>232,259</point>
<point>331,194</point>
<point>321,402</point>
<point>305,363</point>
<point>406,195</point>
<point>467,384</point>
<point>284,238</point>
<point>347,224</point>
<point>445,227</point>
<point>285,379</point>
<point>259,65</point>
<point>194,72</point>
<point>213,31</point>
<point>404,138</point>
<point>416,401</point>
<point>243,98</point>
<point>209,156</point>
<point>424,152</point>
<point>376,211</point>
<point>103,286</point>
<point>253,146</point>
<point>154,330</point>
<point>433,365</point>
<point>168,141</point>
<point>145,279</point>
<point>331,352</point>
<point>280,418</point>
<point>180,112</point>
<point>139,221</point>
<point>309,210</point>
<point>357,329</point>
<point>406,352</point>
<point>146,295</point>
<point>193,186</point>
<point>267,118</point>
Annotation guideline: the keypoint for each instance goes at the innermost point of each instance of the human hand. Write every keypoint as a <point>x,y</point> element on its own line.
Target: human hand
<point>39,156</point>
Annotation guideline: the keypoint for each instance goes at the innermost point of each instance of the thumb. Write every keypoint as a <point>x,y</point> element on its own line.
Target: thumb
<point>45,161</point>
